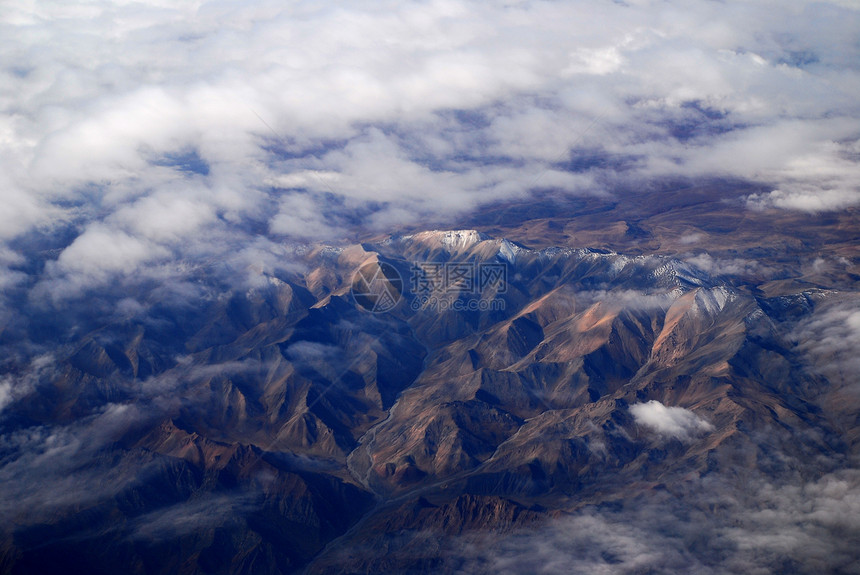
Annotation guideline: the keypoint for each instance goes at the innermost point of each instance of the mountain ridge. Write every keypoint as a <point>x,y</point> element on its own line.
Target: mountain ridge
<point>291,400</point>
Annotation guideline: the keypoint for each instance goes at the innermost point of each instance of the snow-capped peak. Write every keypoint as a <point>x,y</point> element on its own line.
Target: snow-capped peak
<point>452,240</point>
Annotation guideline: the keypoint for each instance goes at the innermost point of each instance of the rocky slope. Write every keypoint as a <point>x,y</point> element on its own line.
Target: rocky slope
<point>287,427</point>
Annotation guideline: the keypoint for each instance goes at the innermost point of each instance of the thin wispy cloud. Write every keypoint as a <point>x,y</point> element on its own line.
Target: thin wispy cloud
<point>762,527</point>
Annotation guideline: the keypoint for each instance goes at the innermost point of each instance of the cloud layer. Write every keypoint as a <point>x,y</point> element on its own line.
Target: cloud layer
<point>150,134</point>
<point>760,527</point>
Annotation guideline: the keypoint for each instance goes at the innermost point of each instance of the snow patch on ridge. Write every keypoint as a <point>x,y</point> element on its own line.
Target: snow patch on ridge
<point>452,240</point>
<point>676,271</point>
<point>462,239</point>
<point>712,301</point>
<point>508,251</point>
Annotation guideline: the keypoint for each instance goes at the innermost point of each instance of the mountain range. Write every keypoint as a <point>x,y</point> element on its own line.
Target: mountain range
<point>613,373</point>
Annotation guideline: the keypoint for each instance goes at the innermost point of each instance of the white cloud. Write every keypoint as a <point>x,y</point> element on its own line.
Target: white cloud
<point>759,526</point>
<point>674,422</point>
<point>300,216</point>
<point>691,238</point>
<point>16,386</point>
<point>166,216</point>
<point>630,299</point>
<point>100,251</point>
<point>830,338</point>
<point>410,112</point>
<point>729,266</point>
<point>191,516</point>
<point>6,396</point>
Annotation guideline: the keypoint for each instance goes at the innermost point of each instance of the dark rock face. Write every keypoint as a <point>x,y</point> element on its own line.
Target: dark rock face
<point>288,428</point>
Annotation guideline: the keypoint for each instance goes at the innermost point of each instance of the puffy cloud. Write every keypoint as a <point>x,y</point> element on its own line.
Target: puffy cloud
<point>103,92</point>
<point>167,216</point>
<point>174,132</point>
<point>674,422</point>
<point>100,251</point>
<point>301,216</point>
